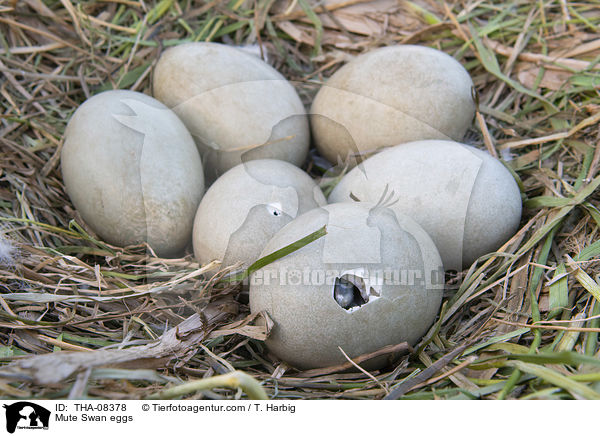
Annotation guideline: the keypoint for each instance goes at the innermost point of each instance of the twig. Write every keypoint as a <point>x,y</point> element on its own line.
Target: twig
<point>390,349</point>
<point>233,380</point>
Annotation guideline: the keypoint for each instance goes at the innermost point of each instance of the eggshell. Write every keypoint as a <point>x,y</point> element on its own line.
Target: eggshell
<point>389,96</point>
<point>392,255</point>
<point>247,205</point>
<point>234,104</point>
<point>132,171</point>
<point>466,200</point>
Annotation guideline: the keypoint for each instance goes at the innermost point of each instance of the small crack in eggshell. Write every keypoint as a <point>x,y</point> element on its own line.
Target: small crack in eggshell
<point>247,205</point>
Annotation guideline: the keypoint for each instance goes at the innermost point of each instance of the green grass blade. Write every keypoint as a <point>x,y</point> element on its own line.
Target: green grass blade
<point>557,379</point>
<point>560,358</point>
<point>495,340</point>
<point>314,19</point>
<point>559,290</point>
<point>590,252</point>
<point>276,255</point>
<point>489,61</point>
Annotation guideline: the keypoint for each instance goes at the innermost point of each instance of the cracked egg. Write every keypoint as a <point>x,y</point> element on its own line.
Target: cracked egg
<point>247,205</point>
<point>374,279</point>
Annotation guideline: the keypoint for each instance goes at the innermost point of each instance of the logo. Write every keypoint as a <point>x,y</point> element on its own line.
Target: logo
<point>26,415</point>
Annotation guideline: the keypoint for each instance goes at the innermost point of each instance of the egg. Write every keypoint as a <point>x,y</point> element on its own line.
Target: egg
<point>234,104</point>
<point>247,205</point>
<point>389,96</point>
<point>465,199</point>
<point>374,279</point>
<point>132,170</point>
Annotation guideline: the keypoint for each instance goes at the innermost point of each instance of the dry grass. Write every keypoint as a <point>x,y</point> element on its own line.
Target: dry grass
<point>522,323</point>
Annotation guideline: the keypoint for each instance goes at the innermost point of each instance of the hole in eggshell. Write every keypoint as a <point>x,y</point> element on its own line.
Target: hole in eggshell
<point>275,209</point>
<point>352,292</point>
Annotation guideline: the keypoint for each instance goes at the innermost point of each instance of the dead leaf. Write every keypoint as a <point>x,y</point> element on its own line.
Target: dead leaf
<point>297,33</point>
<point>179,342</point>
<point>363,18</point>
<point>259,330</point>
<point>528,74</point>
<point>343,18</point>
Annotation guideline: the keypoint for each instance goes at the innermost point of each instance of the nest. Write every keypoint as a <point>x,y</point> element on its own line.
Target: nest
<point>82,319</point>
